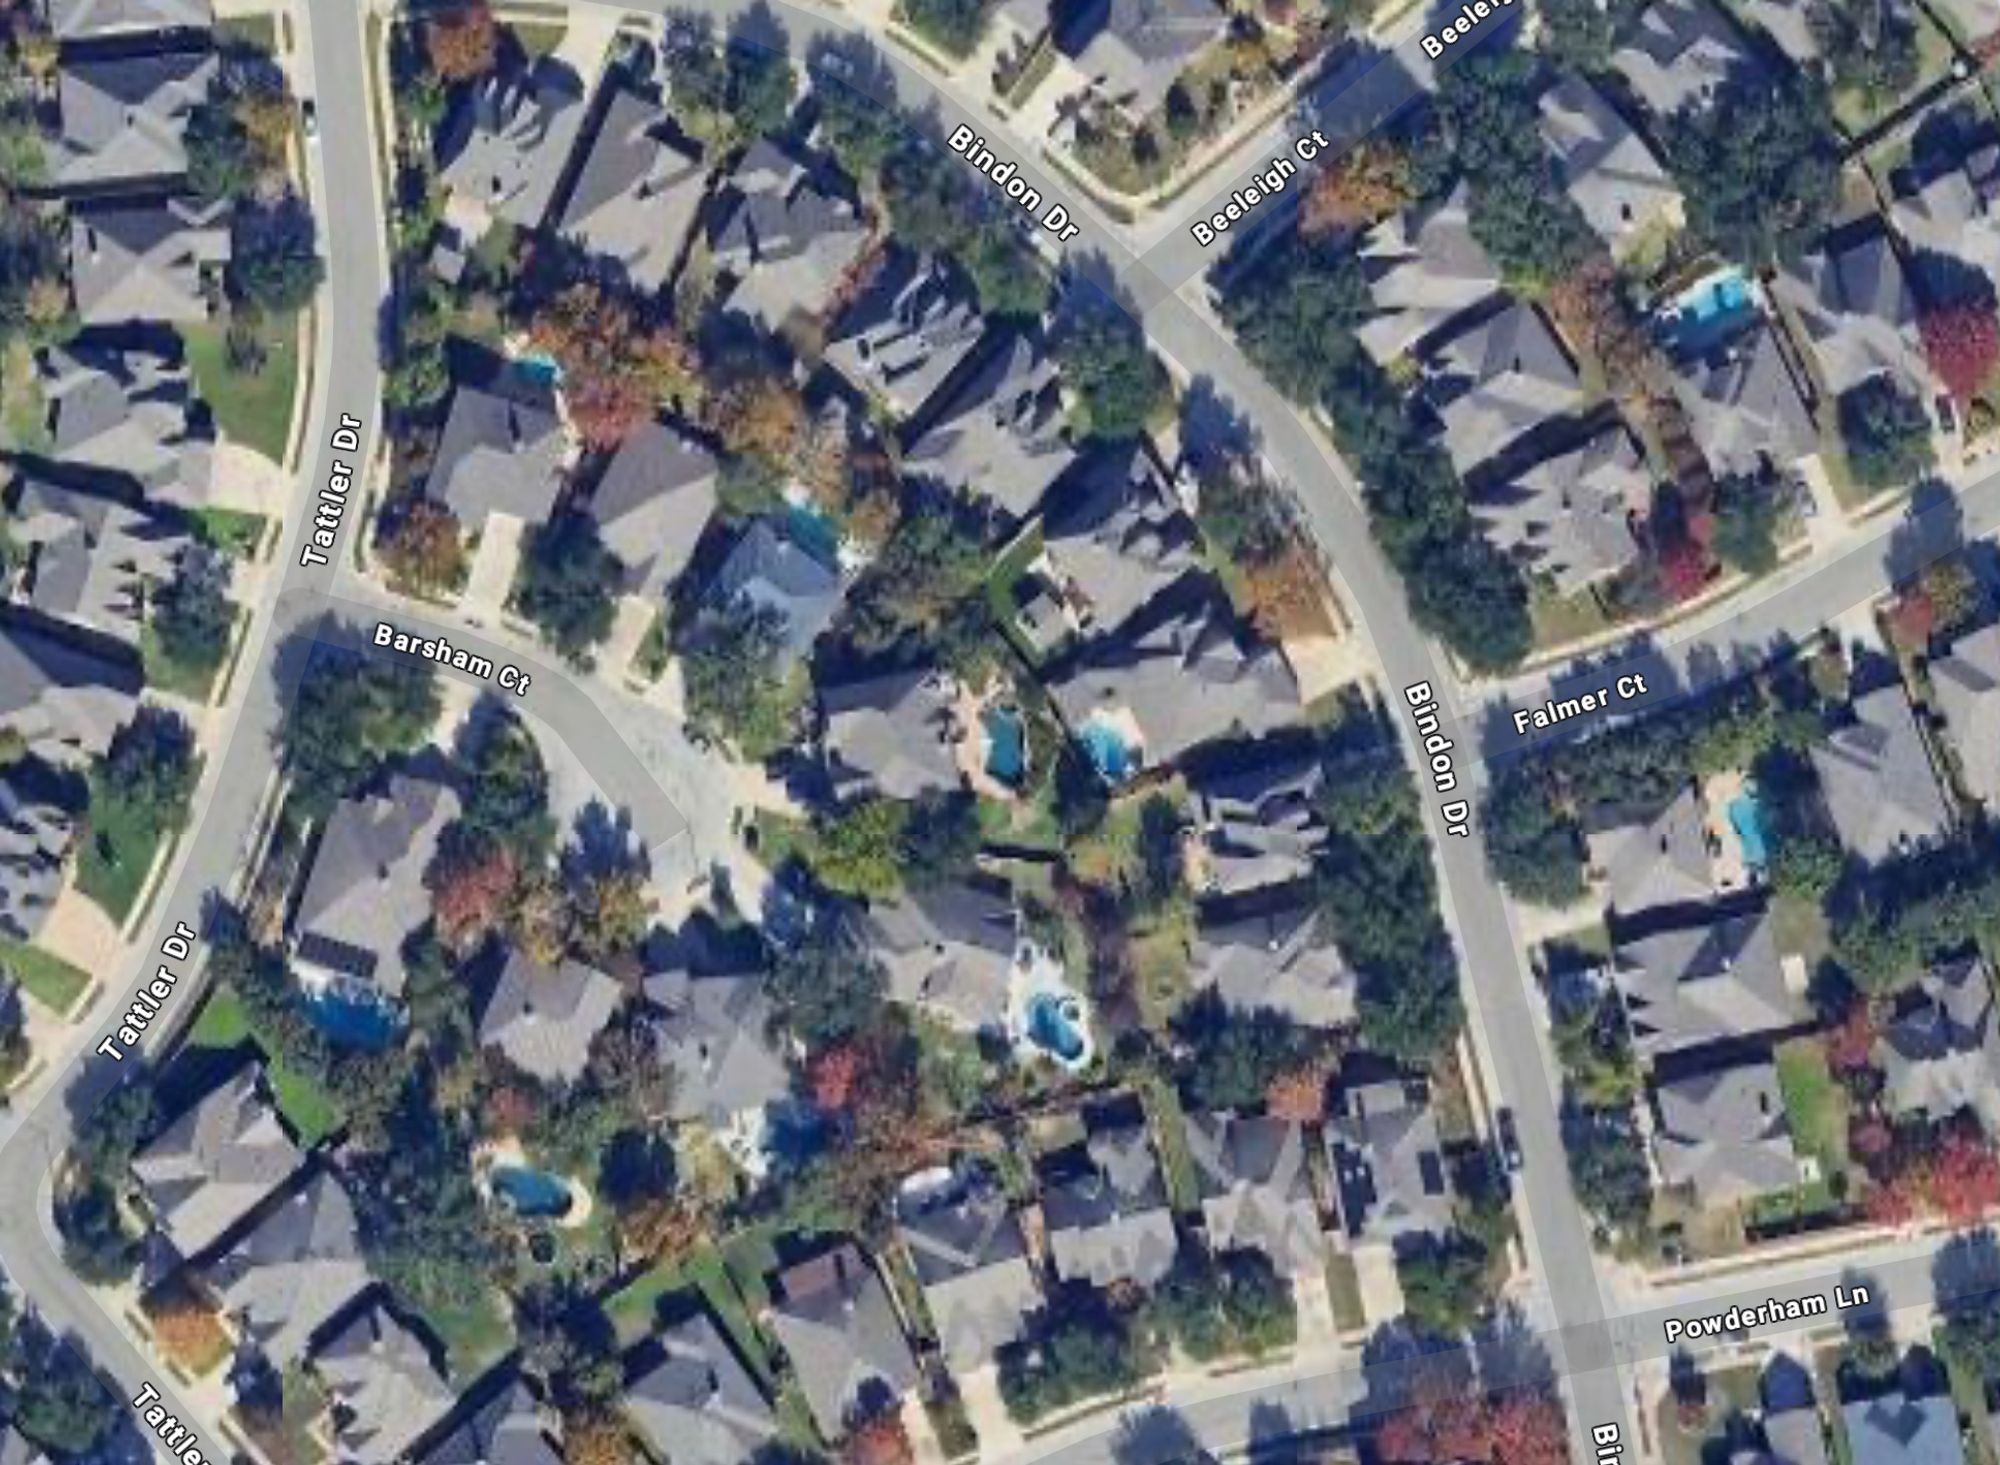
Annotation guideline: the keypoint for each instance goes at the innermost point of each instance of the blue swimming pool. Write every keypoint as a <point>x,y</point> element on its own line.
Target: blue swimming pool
<point>1055,1025</point>
<point>814,533</point>
<point>540,368</point>
<point>531,1193</point>
<point>1709,312</point>
<point>1108,751</point>
<point>353,1019</point>
<point>1006,744</point>
<point>1746,817</point>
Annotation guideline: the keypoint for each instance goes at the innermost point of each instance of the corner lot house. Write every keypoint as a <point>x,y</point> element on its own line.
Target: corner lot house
<point>298,1266</point>
<point>501,152</point>
<point>1133,51</point>
<point>834,1318</point>
<point>1723,1133</point>
<point>210,1167</point>
<point>1650,858</point>
<point>1424,270</point>
<point>972,1262</point>
<point>502,452</point>
<point>1568,518</point>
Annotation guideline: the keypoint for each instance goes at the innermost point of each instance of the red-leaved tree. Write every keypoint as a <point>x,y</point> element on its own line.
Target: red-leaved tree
<point>1850,1044</point>
<point>880,1440</point>
<point>1527,1428</point>
<point>463,45</point>
<point>1683,570</point>
<point>1962,344</point>
<point>1964,1178</point>
<point>471,890</point>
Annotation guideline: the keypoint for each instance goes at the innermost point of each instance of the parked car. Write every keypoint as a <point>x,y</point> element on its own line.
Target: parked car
<point>1509,1138</point>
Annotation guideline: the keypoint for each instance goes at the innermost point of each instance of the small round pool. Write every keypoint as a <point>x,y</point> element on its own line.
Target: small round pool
<point>1055,1025</point>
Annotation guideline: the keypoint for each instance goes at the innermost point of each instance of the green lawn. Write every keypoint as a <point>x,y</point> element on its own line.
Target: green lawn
<point>307,1107</point>
<point>24,425</point>
<point>231,531</point>
<point>114,858</point>
<point>474,1337</point>
<point>254,409</point>
<point>182,678</point>
<point>1801,929</point>
<point>1815,1104</point>
<point>1169,1126</point>
<point>1343,1287</point>
<point>257,31</point>
<point>1561,619</point>
<point>538,38</point>
<point>48,979</point>
<point>635,1309</point>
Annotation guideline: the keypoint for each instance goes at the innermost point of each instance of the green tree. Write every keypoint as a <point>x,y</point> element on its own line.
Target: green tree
<point>1533,846</point>
<point>1118,382</point>
<point>1445,1281</point>
<point>1234,1056</point>
<point>423,1227</point>
<point>566,584</point>
<point>1887,434</point>
<point>1607,1164</point>
<point>1870,47</point>
<point>1806,867</point>
<point>1295,318</point>
<point>761,83</point>
<point>956,25</point>
<point>351,713</point>
<point>274,263</point>
<point>738,686</point>
<point>826,990</point>
<point>148,772</point>
<point>1760,167</point>
<point>59,1403</point>
<point>941,838</point>
<point>931,573</point>
<point>1580,34</point>
<point>221,159</point>
<point>506,796</point>
<point>96,1245</point>
<point>1746,524</point>
<point>192,613</point>
<point>1595,1050</point>
<point>859,851</point>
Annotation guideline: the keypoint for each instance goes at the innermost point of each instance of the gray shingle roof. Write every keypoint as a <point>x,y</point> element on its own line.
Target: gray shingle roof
<point>1569,516</point>
<point>1424,269</point>
<point>652,504</point>
<point>145,261</point>
<point>501,452</point>
<point>1606,168</point>
<point>366,890</point>
<point>1255,1191</point>
<point>383,1386</point>
<point>1724,1133</point>
<point>1388,1166</point>
<point>638,191</point>
<point>1497,381</point>
<point>768,570</point>
<point>289,1274</point>
<point>123,117</point>
<point>1134,50</point>
<point>207,1169</point>
<point>506,1430</point>
<point>788,235</point>
<point>892,735</point>
<point>502,150</point>
<point>16,1449</point>
<point>1744,406</point>
<point>840,1331</point>
<point>1794,1431</point>
<point>972,1262</point>
<point>1105,1210</point>
<point>1115,536</point>
<point>544,1018</point>
<point>906,332</point>
<point>1956,211</point>
<point>715,1033</point>
<point>1652,857</point>
<point>64,700</point>
<point>1279,960</point>
<point>1681,54</point>
<point>948,949</point>
<point>35,835</point>
<point>1875,777</point>
<point>93,560</point>
<point>127,412</point>
<point>694,1402</point>
<point>89,20</point>
<point>1966,688</point>
<point>1704,983</point>
<point>1259,824</point>
<point>1788,23</point>
<point>997,432</point>
<point>1896,1430</point>
<point>1857,311</point>
<point>1940,1049</point>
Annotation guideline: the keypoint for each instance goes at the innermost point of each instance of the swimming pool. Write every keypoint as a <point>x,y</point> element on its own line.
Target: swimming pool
<point>1746,817</point>
<point>1108,751</point>
<point>1006,744</point>
<point>352,1019</point>
<point>533,1194</point>
<point>814,533</point>
<point>1709,312</point>
<point>540,368</point>
<point>1055,1025</point>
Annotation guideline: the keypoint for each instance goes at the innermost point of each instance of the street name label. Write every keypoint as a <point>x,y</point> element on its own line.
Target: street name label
<point>333,498</point>
<point>441,651</point>
<point>1742,1319</point>
<point>1437,747</point>
<point>149,999</point>
<point>177,1437</point>
<point>1540,719</point>
<point>1005,175</point>
<point>1468,20</point>
<point>1609,1448</point>
<point>1272,181</point>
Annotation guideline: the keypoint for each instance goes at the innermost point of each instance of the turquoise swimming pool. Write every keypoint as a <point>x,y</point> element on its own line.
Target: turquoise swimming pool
<point>814,533</point>
<point>353,1019</point>
<point>1006,745</point>
<point>1055,1025</point>
<point>1746,817</point>
<point>1108,751</point>
<point>533,1194</point>
<point>1709,312</point>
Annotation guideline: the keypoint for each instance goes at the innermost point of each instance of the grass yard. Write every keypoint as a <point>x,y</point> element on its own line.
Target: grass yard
<point>48,979</point>
<point>1343,1287</point>
<point>634,1310</point>
<point>310,1110</point>
<point>539,38</point>
<point>24,424</point>
<point>1561,619</point>
<point>113,861</point>
<point>1169,1125</point>
<point>182,678</point>
<point>254,409</point>
<point>474,1337</point>
<point>1007,570</point>
<point>257,31</point>
<point>1801,929</point>
<point>1815,1103</point>
<point>1856,113</point>
<point>1731,1392</point>
<point>1158,951</point>
<point>230,531</point>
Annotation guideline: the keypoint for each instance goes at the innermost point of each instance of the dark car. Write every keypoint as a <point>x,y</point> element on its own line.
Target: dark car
<point>1509,1138</point>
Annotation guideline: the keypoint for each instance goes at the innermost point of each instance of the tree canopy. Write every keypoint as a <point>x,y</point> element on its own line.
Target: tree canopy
<point>1760,167</point>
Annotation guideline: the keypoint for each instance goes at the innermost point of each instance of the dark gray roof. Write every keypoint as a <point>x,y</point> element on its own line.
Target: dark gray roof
<point>1260,824</point>
<point>123,117</point>
<point>972,1261</point>
<point>1789,24</point>
<point>693,1401</point>
<point>998,431</point>
<point>892,735</point>
<point>1965,686</point>
<point>1569,516</point>
<point>289,1274</point>
<point>35,835</point>
<point>1606,168</point>
<point>1893,1429</point>
<point>1704,983</point>
<point>1280,960</point>
<point>1939,1051</point>
<point>1255,1190</point>
<point>210,1167</point>
<point>768,570</point>
<point>1680,54</point>
<point>506,1430</point>
<point>501,452</point>
<point>544,1018</point>
<point>1134,50</point>
<point>907,331</point>
<point>1955,211</point>
<point>839,1329</point>
<point>1115,536</point>
<point>145,261</point>
<point>638,191</point>
<point>502,150</point>
<point>64,700</point>
<point>715,1033</point>
<point>128,412</point>
<point>788,234</point>
<point>366,890</point>
<point>92,559</point>
<point>1424,269</point>
<point>383,1386</point>
<point>1653,857</point>
<point>652,504</point>
<point>1744,405</point>
<point>1875,777</point>
<point>949,949</point>
<point>1857,311</point>
<point>83,20</point>
<point>16,1448</point>
<point>1497,381</point>
<point>1724,1133</point>
<point>1388,1166</point>
<point>1105,1210</point>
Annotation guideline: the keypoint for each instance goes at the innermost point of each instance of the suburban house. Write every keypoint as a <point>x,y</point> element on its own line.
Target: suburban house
<point>1256,1194</point>
<point>949,949</point>
<point>209,1168</point>
<point>35,836</point>
<point>691,1399</point>
<point>893,736</point>
<point>1424,270</point>
<point>1104,1207</point>
<point>768,571</point>
<point>1965,691</point>
<point>1744,405</point>
<point>544,1018</point>
<point>297,1267</point>
<point>651,506</point>
<point>1259,823</point>
<point>972,1262</point>
<point>1388,1165</point>
<point>1282,960</point>
<point>999,431</point>
<point>907,331</point>
<point>1895,1429</point>
<point>1876,781</point>
<point>1115,537</point>
<point>128,412</point>
<point>123,117</point>
<point>1794,1433</point>
<point>15,1448</point>
<point>366,893</point>
<point>787,234</point>
<point>1648,858</point>
<point>1955,210</point>
<point>95,20</point>
<point>1568,518</point>
<point>1498,381</point>
<point>1681,53</point>
<point>1133,51</point>
<point>145,261</point>
<point>1699,984</point>
<point>1854,304</point>
<point>501,151</point>
<point>1723,1133</point>
<point>506,1429</point>
<point>638,191</point>
<point>1939,1050</point>
<point>502,451</point>
<point>713,1031</point>
<point>839,1328</point>
<point>63,700</point>
<point>1789,25</point>
<point>91,559</point>
<point>383,1387</point>
<point>1606,168</point>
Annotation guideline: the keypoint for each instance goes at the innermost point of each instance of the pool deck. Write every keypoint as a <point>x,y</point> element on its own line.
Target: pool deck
<point>1726,863</point>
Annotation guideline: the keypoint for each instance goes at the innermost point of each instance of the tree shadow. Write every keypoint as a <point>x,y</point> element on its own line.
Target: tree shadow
<point>1932,528</point>
<point>1155,1435</point>
<point>1965,1273</point>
